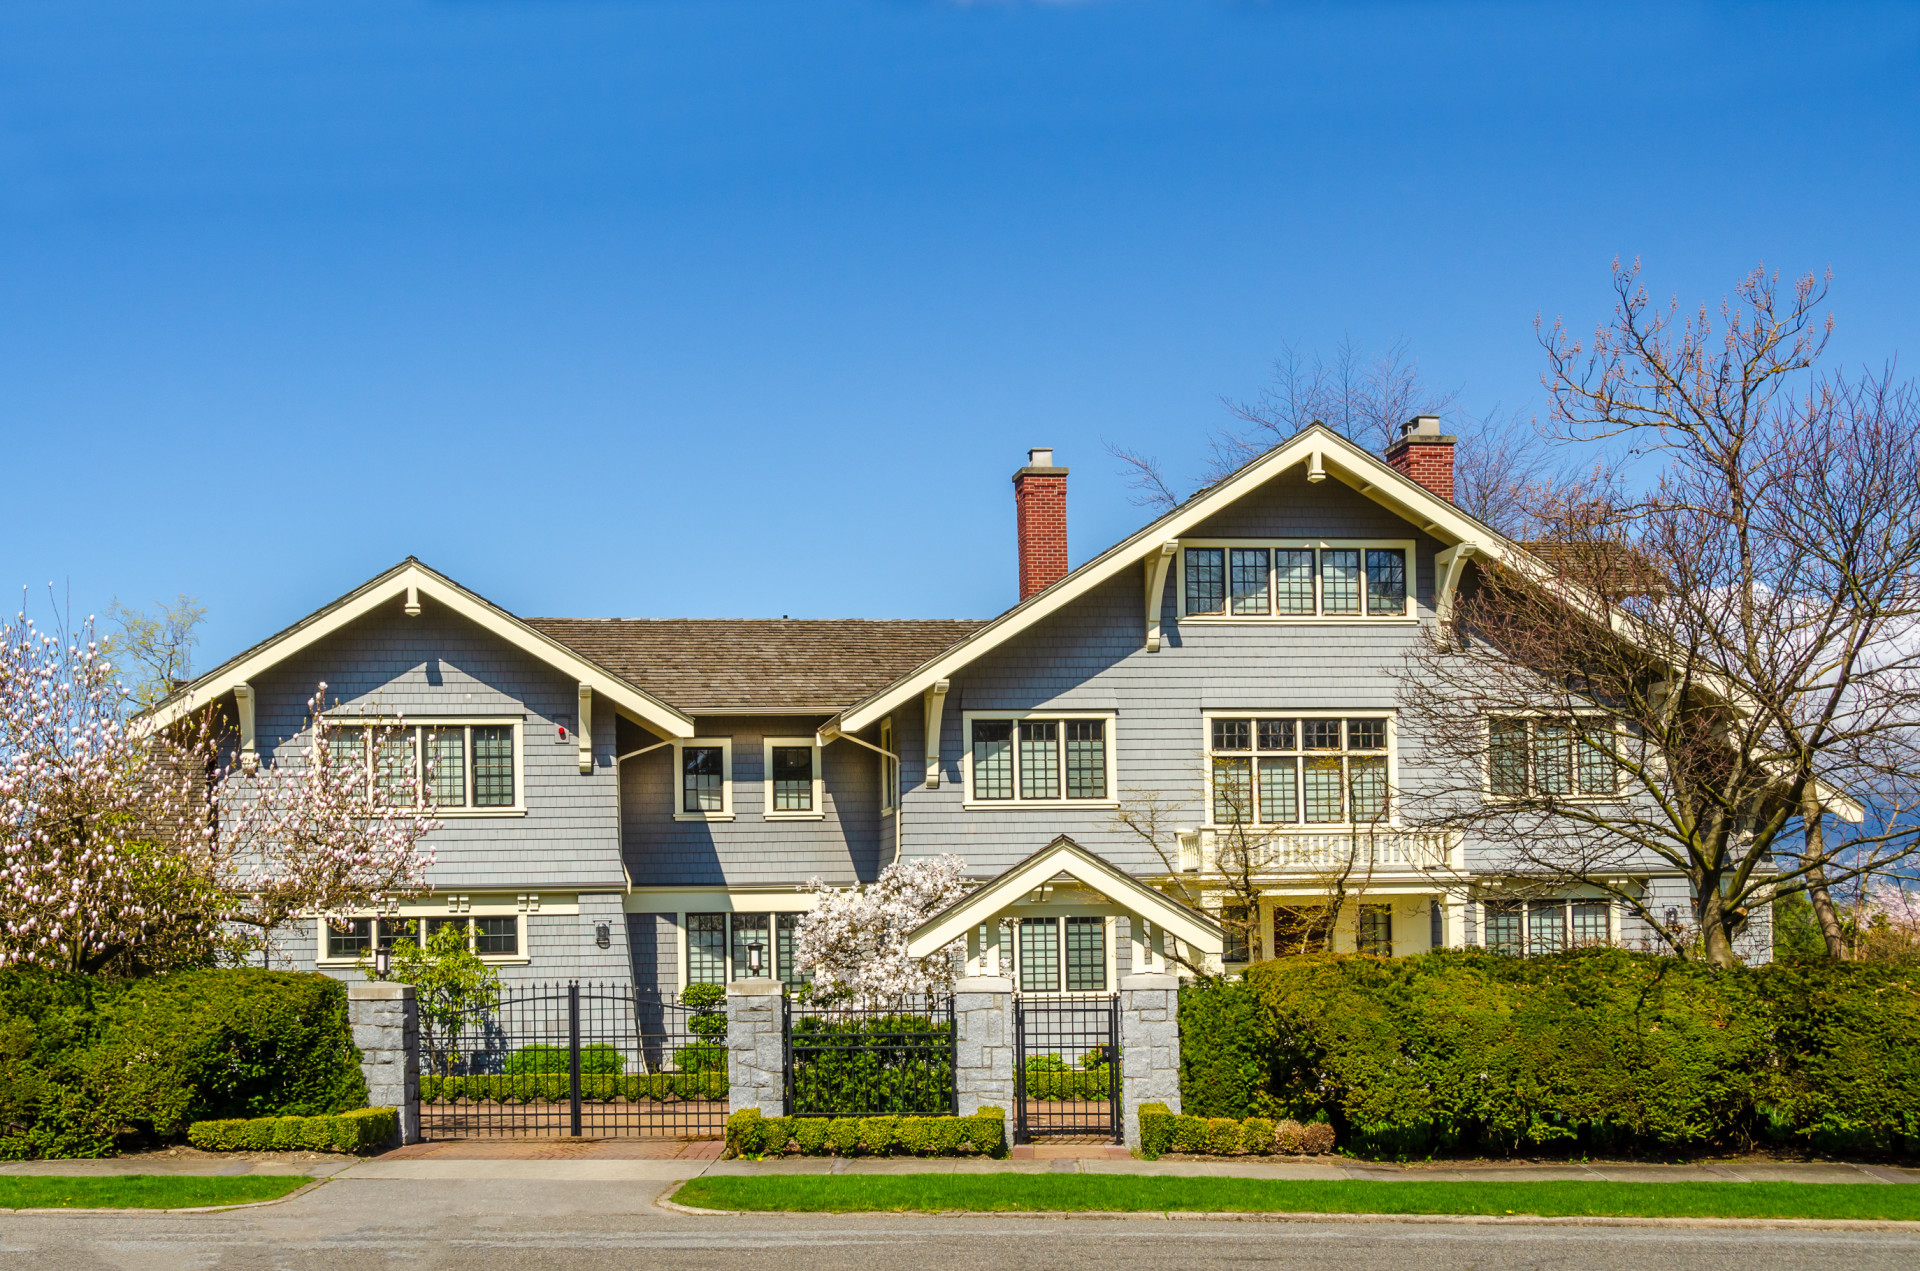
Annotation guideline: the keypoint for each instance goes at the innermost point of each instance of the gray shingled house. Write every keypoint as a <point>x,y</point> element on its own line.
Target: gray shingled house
<point>646,797</point>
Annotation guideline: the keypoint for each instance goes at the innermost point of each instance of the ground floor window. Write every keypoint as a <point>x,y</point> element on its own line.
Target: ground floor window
<point>1374,930</point>
<point>348,939</point>
<point>1300,929</point>
<point>720,947</point>
<point>1534,927</point>
<point>1063,955</point>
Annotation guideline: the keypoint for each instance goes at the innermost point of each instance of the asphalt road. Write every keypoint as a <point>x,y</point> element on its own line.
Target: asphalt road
<point>368,1225</point>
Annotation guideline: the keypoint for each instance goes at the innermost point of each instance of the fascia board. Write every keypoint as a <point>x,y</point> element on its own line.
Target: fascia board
<point>1422,507</point>
<point>1122,889</point>
<point>389,587</point>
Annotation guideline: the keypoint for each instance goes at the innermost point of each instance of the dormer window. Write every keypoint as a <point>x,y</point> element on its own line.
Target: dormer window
<point>1324,580</point>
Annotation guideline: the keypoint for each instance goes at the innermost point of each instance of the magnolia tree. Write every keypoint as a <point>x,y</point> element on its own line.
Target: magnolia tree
<point>105,836</point>
<point>334,825</point>
<point>854,943</point>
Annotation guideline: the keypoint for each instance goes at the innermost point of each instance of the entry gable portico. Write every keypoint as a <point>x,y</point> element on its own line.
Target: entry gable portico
<point>989,903</point>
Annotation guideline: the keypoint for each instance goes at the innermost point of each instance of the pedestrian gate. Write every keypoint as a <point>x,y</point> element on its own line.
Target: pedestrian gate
<point>1066,1070</point>
<point>572,1061</point>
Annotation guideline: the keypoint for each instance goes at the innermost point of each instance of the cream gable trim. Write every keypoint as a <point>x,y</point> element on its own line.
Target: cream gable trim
<point>411,582</point>
<point>1317,446</point>
<point>1064,856</point>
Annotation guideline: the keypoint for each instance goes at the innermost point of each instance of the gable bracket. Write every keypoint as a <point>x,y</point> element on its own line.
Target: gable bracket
<point>1451,563</point>
<point>936,707</point>
<point>1157,566</point>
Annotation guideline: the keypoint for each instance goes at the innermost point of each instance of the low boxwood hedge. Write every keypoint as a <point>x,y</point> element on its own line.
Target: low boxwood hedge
<point>546,1087</point>
<point>360,1130</point>
<point>597,1060</point>
<point>1163,1130</point>
<point>1599,1050</point>
<point>84,1060</point>
<point>749,1133</point>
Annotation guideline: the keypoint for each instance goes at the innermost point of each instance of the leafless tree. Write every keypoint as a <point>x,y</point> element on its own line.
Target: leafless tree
<point>153,649</point>
<point>1711,668</point>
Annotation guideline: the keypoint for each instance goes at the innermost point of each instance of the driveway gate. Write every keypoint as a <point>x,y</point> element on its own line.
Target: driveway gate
<point>1066,1067</point>
<point>573,1060</point>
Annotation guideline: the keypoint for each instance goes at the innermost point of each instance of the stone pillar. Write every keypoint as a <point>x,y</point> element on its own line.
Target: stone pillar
<point>386,1028</point>
<point>1149,1048</point>
<point>983,1019</point>
<point>756,1049</point>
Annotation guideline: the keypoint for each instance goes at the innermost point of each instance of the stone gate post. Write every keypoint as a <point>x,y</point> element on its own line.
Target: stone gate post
<point>386,1027</point>
<point>983,1047</point>
<point>756,1050</point>
<point>1149,1048</point>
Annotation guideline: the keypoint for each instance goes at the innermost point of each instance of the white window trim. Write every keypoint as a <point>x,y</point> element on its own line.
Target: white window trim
<point>1486,758</point>
<point>1109,938</point>
<point>414,723</point>
<point>794,905</point>
<point>680,779</point>
<point>1410,618</point>
<point>414,915</point>
<point>1392,821</point>
<point>967,719</point>
<point>818,811</point>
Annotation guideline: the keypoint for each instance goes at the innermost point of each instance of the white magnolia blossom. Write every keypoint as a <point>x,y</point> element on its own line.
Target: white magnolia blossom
<point>312,831</point>
<point>854,943</point>
<point>99,830</point>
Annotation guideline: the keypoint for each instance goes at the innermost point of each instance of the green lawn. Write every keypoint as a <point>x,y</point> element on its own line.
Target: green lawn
<point>1134,1192</point>
<point>141,1191</point>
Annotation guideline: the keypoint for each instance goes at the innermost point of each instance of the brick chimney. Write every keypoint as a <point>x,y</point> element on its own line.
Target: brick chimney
<point>1423,454</point>
<point>1040,499</point>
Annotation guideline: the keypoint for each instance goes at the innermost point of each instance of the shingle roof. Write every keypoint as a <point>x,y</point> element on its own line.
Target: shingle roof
<point>777,665</point>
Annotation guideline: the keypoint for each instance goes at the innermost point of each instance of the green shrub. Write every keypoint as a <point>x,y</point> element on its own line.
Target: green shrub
<point>1095,1058</point>
<point>949,1134</point>
<point>1594,1050</point>
<point>844,1134</point>
<point>82,1058</point>
<point>778,1133</point>
<point>859,1065</point>
<point>1156,1130</point>
<point>987,1131</point>
<point>1061,1084</point>
<point>1045,1063</point>
<point>660,1087</point>
<point>744,1132</point>
<point>1223,1135</point>
<point>1190,1134</point>
<point>595,1060</point>
<point>1256,1135</point>
<point>876,1133</point>
<point>700,1058</point>
<point>810,1133</point>
<point>708,1003</point>
<point>361,1130</point>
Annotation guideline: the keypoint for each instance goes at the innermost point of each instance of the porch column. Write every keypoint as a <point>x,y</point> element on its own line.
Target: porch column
<point>756,1050</point>
<point>1149,1048</point>
<point>386,1027</point>
<point>983,1048</point>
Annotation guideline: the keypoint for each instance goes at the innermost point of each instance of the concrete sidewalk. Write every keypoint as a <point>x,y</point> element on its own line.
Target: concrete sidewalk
<point>615,1160</point>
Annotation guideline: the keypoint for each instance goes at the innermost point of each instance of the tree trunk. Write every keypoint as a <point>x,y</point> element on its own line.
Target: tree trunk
<point>1816,852</point>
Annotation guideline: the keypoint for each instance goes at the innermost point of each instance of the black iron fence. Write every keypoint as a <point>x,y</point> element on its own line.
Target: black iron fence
<point>1066,1066</point>
<point>895,1059</point>
<point>573,1060</point>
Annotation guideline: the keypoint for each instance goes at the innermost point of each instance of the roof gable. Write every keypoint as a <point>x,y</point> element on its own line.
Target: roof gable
<point>411,584</point>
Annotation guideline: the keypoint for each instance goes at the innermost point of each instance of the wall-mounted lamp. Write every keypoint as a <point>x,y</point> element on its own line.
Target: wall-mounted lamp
<point>602,936</point>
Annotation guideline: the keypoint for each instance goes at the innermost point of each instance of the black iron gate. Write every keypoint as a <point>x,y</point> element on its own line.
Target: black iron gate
<point>573,1060</point>
<point>894,1059</point>
<point>1066,1067</point>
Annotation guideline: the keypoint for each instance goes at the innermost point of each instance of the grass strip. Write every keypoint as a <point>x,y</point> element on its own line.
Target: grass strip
<point>141,1191</point>
<point>895,1193</point>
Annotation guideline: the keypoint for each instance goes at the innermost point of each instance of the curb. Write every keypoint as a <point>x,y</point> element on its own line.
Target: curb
<point>83,1211</point>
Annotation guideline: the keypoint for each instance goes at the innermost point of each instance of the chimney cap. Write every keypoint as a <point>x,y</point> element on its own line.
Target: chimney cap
<point>1421,426</point>
<point>1040,464</point>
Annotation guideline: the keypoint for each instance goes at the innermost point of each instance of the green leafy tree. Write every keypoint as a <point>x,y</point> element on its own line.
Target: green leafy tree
<point>450,984</point>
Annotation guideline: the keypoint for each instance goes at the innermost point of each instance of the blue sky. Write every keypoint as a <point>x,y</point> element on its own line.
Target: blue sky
<point>736,309</point>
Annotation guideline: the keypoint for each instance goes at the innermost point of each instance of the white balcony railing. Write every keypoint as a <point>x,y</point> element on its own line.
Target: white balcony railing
<point>1293,852</point>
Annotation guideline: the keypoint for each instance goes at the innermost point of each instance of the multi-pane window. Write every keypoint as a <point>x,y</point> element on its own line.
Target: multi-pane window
<point>490,936</point>
<point>1326,581</point>
<point>1373,931</point>
<point>1238,948</point>
<point>496,936</point>
<point>348,937</point>
<point>1039,760</point>
<point>1063,955</point>
<point>1293,771</point>
<point>703,774</point>
<point>1300,929</point>
<point>1536,927</point>
<point>1086,955</point>
<point>1040,955</point>
<point>1542,757</point>
<point>720,947</point>
<point>791,773</point>
<point>452,765</point>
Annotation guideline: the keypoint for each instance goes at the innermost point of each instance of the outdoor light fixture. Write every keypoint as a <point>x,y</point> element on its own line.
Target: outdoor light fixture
<point>602,935</point>
<point>753,959</point>
<point>382,960</point>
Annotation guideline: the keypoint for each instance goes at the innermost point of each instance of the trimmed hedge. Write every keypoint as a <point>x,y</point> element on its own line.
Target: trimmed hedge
<point>1599,1050</point>
<point>548,1087</point>
<point>597,1060</point>
<point>871,1061</point>
<point>1070,1085</point>
<point>1162,1131</point>
<point>751,1134</point>
<point>83,1060</point>
<point>361,1130</point>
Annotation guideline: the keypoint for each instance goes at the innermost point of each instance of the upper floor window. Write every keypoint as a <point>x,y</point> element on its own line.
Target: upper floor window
<point>705,767</point>
<point>1295,580</point>
<point>793,786</point>
<point>1298,770</point>
<point>1039,759</point>
<point>452,767</point>
<point>1545,757</point>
